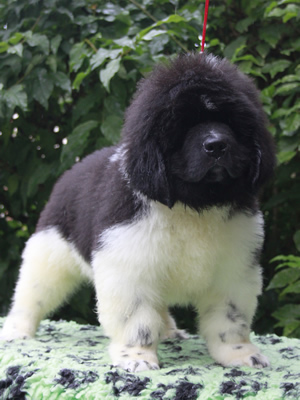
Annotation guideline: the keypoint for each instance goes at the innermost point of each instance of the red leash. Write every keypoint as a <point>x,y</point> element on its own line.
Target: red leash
<point>204,25</point>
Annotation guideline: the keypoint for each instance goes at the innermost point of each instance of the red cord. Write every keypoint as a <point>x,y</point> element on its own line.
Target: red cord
<point>204,25</point>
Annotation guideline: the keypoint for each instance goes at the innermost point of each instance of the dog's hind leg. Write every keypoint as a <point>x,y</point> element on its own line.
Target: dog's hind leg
<point>171,330</point>
<point>49,274</point>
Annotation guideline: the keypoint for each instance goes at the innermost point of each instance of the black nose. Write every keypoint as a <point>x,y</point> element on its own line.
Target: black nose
<point>215,147</point>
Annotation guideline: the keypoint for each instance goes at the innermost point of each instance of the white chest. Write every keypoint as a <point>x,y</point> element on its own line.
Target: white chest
<point>180,250</point>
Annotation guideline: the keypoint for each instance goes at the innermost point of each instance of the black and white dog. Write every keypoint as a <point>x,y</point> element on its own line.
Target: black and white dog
<point>168,216</point>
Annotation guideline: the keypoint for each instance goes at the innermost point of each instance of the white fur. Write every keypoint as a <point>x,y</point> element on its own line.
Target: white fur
<point>167,257</point>
<point>51,271</point>
<point>212,60</point>
<point>118,154</point>
<point>178,257</point>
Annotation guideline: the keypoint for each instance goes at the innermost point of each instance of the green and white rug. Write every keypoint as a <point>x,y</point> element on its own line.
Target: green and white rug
<point>70,361</point>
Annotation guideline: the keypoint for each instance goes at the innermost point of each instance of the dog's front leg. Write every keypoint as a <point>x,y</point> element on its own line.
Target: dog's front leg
<point>129,312</point>
<point>225,322</point>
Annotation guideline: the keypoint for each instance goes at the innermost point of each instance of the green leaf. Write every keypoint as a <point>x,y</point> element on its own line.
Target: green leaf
<point>52,62</point>
<point>36,60</point>
<point>80,77</point>
<point>39,41</point>
<point>99,58</point>
<point>275,67</point>
<point>292,288</point>
<point>285,156</point>
<point>37,177</point>
<point>42,86</point>
<point>231,48</point>
<point>263,49</point>
<point>288,313</point>
<point>102,54</point>
<point>249,57</point>
<point>292,124</point>
<point>292,329</point>
<point>245,66</point>
<point>65,11</point>
<point>77,55</point>
<point>111,69</point>
<point>287,88</point>
<point>3,47</point>
<point>286,111</point>
<point>243,24</point>
<point>12,183</point>
<point>291,11</point>
<point>270,7</point>
<point>287,78</point>
<point>152,34</point>
<point>17,49</point>
<point>287,259</point>
<point>125,42</point>
<point>77,141</point>
<point>174,18</point>
<point>16,97</point>
<point>62,81</point>
<point>111,128</point>
<point>271,34</point>
<point>296,239</point>
<point>88,102</point>
<point>15,39</point>
<point>284,278</point>
<point>54,43</point>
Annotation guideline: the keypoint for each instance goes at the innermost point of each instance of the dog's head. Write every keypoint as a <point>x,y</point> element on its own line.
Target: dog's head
<point>196,133</point>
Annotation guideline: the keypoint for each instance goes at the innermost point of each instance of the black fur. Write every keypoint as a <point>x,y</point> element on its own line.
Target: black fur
<point>167,156</point>
<point>87,199</point>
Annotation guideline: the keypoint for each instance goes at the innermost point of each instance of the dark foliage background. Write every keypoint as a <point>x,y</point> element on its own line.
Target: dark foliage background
<point>67,72</point>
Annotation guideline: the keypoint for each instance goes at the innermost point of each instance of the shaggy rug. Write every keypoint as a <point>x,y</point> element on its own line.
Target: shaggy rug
<point>70,361</point>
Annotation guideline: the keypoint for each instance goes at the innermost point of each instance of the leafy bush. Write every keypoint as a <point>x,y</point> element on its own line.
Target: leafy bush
<point>287,280</point>
<point>67,72</point>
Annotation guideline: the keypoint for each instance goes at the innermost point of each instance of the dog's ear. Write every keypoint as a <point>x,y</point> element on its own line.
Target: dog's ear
<point>147,172</point>
<point>264,161</point>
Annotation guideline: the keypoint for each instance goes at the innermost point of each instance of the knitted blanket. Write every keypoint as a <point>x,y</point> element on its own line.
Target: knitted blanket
<point>70,361</point>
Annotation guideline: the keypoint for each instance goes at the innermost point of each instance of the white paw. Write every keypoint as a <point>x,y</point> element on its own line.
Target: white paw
<point>133,358</point>
<point>13,334</point>
<point>15,328</point>
<point>256,360</point>
<point>137,365</point>
<point>239,354</point>
<point>176,334</point>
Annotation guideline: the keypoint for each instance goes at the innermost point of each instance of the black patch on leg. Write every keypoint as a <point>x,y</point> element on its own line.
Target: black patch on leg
<point>233,314</point>
<point>222,336</point>
<point>256,361</point>
<point>144,337</point>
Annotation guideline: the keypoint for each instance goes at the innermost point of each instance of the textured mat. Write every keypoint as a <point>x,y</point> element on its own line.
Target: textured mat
<point>70,361</point>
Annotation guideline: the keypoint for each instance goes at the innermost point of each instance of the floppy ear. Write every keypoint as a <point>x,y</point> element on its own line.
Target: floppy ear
<point>147,172</point>
<point>264,161</point>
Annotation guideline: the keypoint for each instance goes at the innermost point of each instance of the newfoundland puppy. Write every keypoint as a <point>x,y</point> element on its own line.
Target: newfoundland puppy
<point>167,216</point>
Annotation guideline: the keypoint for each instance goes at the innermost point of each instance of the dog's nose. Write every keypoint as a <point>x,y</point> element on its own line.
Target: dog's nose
<point>215,147</point>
